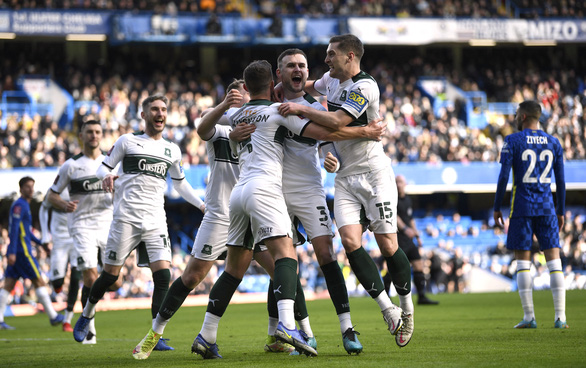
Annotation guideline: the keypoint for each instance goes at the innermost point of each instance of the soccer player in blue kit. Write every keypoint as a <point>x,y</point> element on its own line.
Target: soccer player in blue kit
<point>533,154</point>
<point>21,260</point>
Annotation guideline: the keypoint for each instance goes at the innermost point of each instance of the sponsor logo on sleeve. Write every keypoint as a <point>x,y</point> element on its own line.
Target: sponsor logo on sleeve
<point>356,101</point>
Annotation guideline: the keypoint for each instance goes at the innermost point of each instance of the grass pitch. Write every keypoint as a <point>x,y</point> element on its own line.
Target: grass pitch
<point>465,330</point>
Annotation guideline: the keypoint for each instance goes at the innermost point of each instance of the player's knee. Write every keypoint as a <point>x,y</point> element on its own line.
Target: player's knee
<point>58,285</point>
<point>161,278</point>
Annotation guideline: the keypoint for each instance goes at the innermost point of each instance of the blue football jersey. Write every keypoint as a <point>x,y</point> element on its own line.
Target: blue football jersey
<point>533,155</point>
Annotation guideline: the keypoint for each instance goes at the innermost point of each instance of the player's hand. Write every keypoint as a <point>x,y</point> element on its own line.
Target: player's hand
<point>202,208</point>
<point>331,163</point>
<point>278,95</point>
<point>108,183</point>
<point>11,259</point>
<point>290,108</point>
<point>498,218</point>
<point>242,132</point>
<point>375,129</point>
<point>233,98</point>
<point>71,206</point>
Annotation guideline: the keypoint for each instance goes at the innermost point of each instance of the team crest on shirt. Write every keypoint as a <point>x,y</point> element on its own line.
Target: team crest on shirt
<point>16,211</point>
<point>167,152</point>
<point>343,96</point>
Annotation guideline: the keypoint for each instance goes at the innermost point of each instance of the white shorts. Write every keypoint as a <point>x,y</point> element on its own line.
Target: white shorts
<point>373,192</point>
<point>124,237</point>
<point>210,241</point>
<point>312,210</point>
<point>261,206</point>
<point>63,252</point>
<point>89,245</point>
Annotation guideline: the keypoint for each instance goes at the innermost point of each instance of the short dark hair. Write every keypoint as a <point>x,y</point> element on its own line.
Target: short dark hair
<point>149,100</point>
<point>348,42</point>
<point>25,180</point>
<point>287,53</point>
<point>531,108</point>
<point>236,84</point>
<point>89,122</point>
<point>258,76</point>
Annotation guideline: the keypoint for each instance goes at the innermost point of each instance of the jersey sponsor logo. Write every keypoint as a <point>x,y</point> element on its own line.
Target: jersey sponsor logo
<point>356,100</point>
<point>140,145</point>
<point>505,148</point>
<point>146,165</point>
<point>536,140</point>
<point>86,186</point>
<point>56,180</point>
<point>110,151</point>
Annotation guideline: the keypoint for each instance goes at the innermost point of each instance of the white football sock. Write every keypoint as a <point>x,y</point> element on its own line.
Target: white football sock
<point>345,321</point>
<point>558,288</point>
<point>383,301</point>
<point>4,301</point>
<point>525,286</point>
<point>209,329</point>
<point>286,314</point>
<point>273,323</point>
<point>406,303</point>
<point>159,324</point>
<point>305,326</point>
<point>45,300</point>
<point>68,316</point>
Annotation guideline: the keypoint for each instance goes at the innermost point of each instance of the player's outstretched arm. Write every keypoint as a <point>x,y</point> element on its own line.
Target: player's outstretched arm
<point>330,119</point>
<point>205,129</point>
<point>373,131</point>
<point>186,191</point>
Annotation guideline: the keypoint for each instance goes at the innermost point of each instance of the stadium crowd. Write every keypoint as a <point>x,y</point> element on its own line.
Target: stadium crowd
<point>409,8</point>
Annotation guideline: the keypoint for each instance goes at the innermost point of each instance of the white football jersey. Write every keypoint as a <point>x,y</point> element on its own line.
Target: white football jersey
<point>261,156</point>
<point>53,222</point>
<point>78,175</point>
<point>302,168</point>
<point>139,193</point>
<point>224,172</point>
<point>359,97</point>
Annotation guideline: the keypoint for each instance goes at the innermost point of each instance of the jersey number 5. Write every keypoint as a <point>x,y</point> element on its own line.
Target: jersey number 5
<point>545,155</point>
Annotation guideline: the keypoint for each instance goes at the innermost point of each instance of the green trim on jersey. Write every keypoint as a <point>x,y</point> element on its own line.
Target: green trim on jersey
<point>141,132</point>
<point>223,152</point>
<point>259,103</point>
<point>280,135</point>
<point>309,98</point>
<point>148,165</point>
<point>362,75</point>
<point>87,185</point>
<point>77,157</point>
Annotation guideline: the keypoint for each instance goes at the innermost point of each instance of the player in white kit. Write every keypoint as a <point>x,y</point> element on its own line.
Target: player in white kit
<point>365,180</point>
<point>304,193</point>
<point>54,230</point>
<point>139,216</point>
<point>257,199</point>
<point>89,207</point>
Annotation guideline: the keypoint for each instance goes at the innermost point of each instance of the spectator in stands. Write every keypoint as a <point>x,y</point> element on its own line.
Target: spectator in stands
<point>213,26</point>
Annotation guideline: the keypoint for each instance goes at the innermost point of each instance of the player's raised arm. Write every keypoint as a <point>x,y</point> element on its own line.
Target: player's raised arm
<point>205,129</point>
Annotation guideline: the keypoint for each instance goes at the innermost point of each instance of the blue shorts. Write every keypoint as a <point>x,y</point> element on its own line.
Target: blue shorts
<point>26,267</point>
<point>521,230</point>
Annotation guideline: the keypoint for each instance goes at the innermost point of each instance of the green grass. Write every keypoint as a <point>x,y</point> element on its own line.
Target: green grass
<point>471,330</point>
